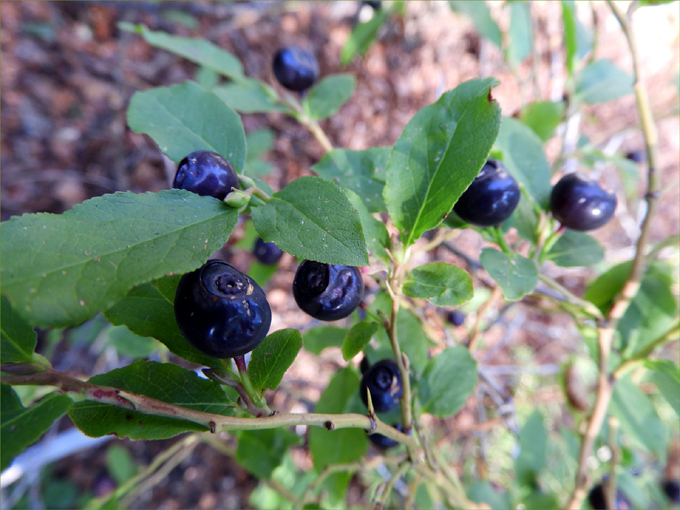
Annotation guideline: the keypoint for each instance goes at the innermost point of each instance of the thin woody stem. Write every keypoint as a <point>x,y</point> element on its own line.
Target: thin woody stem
<point>213,422</point>
<point>632,284</point>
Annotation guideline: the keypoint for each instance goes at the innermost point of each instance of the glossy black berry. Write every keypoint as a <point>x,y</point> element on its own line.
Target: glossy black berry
<point>221,311</point>
<point>327,292</point>
<point>375,5</point>
<point>580,203</point>
<point>384,442</point>
<point>295,68</point>
<point>266,253</point>
<point>672,490</point>
<point>364,365</point>
<point>597,499</point>
<point>207,174</point>
<point>491,198</point>
<point>455,317</point>
<point>384,382</point>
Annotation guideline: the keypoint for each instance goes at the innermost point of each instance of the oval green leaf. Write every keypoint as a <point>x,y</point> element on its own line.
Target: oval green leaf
<point>357,338</point>
<point>273,357</point>
<point>62,269</point>
<point>438,155</point>
<point>448,380</point>
<point>516,275</point>
<point>185,118</point>
<point>313,219</point>
<point>327,97</point>
<point>442,283</point>
<point>524,157</point>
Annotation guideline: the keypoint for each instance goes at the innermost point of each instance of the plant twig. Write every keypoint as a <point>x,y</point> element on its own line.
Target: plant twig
<point>212,422</point>
<point>632,284</point>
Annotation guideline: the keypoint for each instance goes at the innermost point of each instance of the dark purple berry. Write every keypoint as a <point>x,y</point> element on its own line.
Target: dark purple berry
<point>455,317</point>
<point>384,382</point>
<point>364,365</point>
<point>207,174</point>
<point>327,292</point>
<point>580,203</point>
<point>384,442</point>
<point>221,311</point>
<point>636,156</point>
<point>375,5</point>
<point>295,68</point>
<point>491,198</point>
<point>597,499</point>
<point>267,253</point>
<point>672,490</point>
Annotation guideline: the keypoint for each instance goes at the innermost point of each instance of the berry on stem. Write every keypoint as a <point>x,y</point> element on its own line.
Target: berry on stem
<point>327,292</point>
<point>491,198</point>
<point>295,68</point>
<point>207,174</point>
<point>221,311</point>
<point>580,203</point>
<point>384,382</point>
<point>266,253</point>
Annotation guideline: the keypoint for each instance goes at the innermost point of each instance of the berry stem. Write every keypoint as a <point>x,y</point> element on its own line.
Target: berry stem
<point>248,386</point>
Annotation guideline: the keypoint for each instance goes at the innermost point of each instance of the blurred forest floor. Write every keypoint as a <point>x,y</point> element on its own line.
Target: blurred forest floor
<point>67,75</point>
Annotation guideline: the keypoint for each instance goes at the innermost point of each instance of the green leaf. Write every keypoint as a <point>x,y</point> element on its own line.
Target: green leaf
<point>60,270</point>
<point>185,118</point>
<point>569,23</point>
<point>330,447</point>
<point>249,96</point>
<point>357,338</point>
<point>533,443</point>
<point>438,155</point>
<point>638,417</point>
<point>375,232</point>
<point>273,357</point>
<point>442,283</point>
<point>362,37</point>
<point>328,95</point>
<point>166,382</point>
<point>524,219</point>
<point>119,464</point>
<point>481,17</point>
<point>18,337</point>
<point>313,219</point>
<point>317,339</point>
<point>362,172</point>
<point>129,344</point>
<point>483,492</point>
<point>602,81</point>
<point>259,142</point>
<point>520,33</point>
<point>199,51</point>
<point>650,313</point>
<point>543,117</point>
<point>516,275</point>
<point>576,249</point>
<point>448,380</point>
<point>262,451</point>
<point>524,157</point>
<point>22,426</point>
<point>148,310</point>
<point>666,376</point>
<point>207,78</point>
